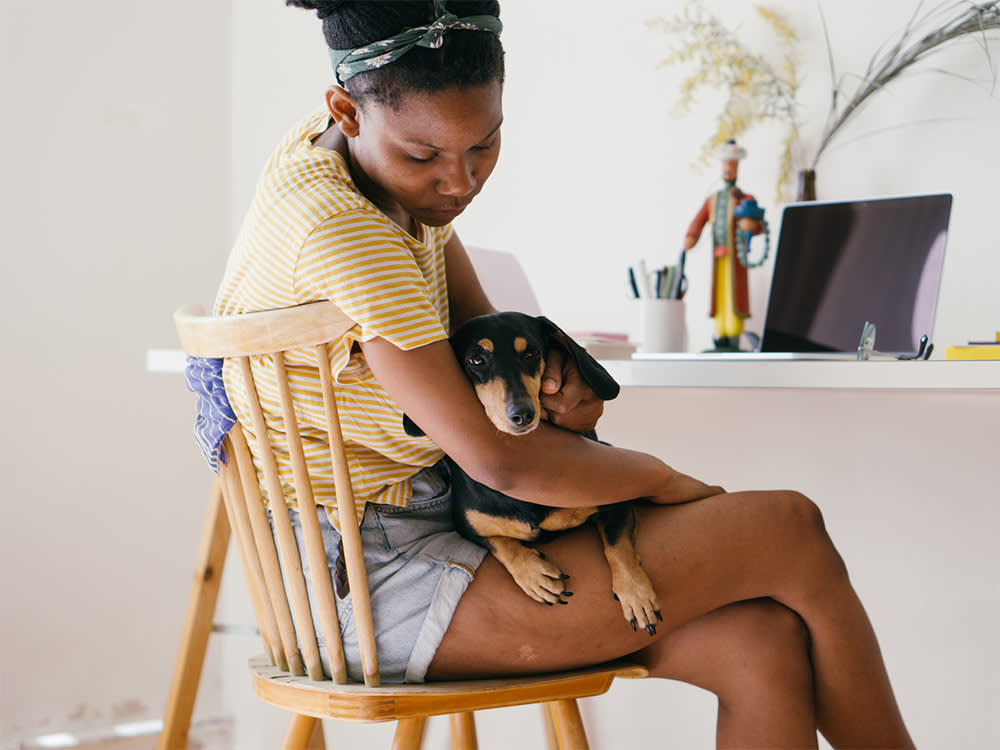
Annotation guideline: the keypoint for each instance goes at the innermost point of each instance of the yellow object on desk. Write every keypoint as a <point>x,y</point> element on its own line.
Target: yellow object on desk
<point>975,350</point>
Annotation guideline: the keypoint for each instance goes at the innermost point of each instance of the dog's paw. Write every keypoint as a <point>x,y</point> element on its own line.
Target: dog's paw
<point>639,602</point>
<point>538,578</point>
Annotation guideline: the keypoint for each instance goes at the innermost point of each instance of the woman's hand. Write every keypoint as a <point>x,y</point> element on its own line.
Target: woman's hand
<point>566,396</point>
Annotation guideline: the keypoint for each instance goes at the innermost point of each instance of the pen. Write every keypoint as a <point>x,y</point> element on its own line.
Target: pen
<point>669,275</point>
<point>677,289</point>
<point>631,282</point>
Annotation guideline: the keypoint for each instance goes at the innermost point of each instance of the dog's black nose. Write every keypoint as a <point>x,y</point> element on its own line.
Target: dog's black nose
<point>520,414</point>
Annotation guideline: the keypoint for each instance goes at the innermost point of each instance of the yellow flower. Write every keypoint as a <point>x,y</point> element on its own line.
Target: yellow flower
<point>756,90</point>
<point>778,23</point>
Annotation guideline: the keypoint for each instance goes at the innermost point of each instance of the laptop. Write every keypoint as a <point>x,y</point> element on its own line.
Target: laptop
<point>840,265</point>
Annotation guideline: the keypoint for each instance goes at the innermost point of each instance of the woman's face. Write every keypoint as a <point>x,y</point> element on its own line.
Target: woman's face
<point>428,157</point>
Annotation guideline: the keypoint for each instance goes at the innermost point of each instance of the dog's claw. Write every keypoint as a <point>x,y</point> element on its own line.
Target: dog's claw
<point>651,629</point>
<point>615,596</point>
<point>659,616</point>
<point>634,624</point>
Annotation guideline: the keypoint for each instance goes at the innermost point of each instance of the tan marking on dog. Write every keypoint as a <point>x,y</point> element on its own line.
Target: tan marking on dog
<point>493,397</point>
<point>486,344</point>
<point>629,581</point>
<point>536,576</point>
<point>520,344</point>
<point>495,526</point>
<point>566,518</point>
<point>533,385</point>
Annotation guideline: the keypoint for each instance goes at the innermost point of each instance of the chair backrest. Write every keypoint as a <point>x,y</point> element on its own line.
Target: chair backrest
<point>271,558</point>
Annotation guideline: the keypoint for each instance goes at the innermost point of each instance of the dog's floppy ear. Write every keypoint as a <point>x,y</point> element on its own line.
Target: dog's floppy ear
<point>410,428</point>
<point>600,381</point>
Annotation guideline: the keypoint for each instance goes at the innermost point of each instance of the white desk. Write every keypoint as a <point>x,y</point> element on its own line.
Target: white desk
<point>702,371</point>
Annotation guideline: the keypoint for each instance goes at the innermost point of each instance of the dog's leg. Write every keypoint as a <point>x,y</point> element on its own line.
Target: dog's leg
<point>629,582</point>
<point>537,577</point>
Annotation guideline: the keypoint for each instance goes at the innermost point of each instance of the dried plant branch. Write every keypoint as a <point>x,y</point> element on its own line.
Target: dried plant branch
<point>834,90</point>
<point>757,89</point>
<point>962,19</point>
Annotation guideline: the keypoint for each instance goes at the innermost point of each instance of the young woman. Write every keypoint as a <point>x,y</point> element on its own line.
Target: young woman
<point>356,206</point>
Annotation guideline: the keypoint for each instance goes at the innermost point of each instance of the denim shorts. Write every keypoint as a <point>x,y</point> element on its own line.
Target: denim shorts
<point>418,568</point>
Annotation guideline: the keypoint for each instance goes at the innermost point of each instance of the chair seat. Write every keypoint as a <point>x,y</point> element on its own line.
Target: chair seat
<point>356,702</point>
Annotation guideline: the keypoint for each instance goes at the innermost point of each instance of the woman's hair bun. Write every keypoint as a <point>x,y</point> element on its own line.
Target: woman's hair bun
<point>323,8</point>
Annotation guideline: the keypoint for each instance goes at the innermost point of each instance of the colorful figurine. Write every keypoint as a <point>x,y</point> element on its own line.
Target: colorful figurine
<point>730,240</point>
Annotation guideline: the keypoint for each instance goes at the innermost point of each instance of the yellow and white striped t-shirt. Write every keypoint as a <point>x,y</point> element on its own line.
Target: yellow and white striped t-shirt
<point>311,235</point>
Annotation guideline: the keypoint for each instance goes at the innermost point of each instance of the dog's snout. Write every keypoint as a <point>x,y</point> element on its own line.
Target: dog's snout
<point>520,414</point>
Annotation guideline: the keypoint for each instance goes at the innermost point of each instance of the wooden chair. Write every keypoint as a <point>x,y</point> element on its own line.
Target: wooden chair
<point>290,674</point>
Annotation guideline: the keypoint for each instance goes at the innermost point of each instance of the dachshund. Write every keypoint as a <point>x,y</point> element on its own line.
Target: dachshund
<point>503,355</point>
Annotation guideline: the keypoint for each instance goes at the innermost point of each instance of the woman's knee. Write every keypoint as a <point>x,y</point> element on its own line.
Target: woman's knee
<point>744,652</point>
<point>774,629</point>
<point>769,652</point>
<point>796,513</point>
<point>802,530</point>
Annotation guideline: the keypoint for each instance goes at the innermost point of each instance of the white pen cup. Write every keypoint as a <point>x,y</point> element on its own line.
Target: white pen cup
<point>662,327</point>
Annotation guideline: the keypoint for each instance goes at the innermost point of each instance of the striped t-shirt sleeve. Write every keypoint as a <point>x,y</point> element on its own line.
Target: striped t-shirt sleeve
<point>356,260</point>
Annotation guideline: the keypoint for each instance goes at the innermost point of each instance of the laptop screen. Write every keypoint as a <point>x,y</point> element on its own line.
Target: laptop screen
<point>839,265</point>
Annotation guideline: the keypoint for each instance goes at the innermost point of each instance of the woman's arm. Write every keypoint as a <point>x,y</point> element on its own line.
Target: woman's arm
<point>550,466</point>
<point>466,298</point>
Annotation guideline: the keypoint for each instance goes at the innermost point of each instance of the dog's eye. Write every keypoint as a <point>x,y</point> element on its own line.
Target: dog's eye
<point>530,354</point>
<point>477,360</point>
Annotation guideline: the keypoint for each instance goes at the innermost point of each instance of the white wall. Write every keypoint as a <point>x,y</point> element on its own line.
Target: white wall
<point>114,193</point>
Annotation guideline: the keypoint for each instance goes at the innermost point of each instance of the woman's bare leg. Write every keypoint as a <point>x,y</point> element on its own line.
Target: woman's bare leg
<point>700,557</point>
<point>754,656</point>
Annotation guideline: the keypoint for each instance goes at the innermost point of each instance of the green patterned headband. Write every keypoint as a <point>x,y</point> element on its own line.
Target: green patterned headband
<point>347,63</point>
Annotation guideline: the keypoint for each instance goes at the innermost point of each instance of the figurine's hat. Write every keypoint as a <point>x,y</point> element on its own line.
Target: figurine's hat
<point>729,151</point>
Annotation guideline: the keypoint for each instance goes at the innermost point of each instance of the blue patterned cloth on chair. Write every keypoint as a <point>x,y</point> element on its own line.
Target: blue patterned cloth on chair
<point>215,415</point>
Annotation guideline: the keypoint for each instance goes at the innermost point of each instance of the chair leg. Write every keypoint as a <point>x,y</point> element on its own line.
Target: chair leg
<point>197,625</point>
<point>569,725</point>
<point>409,734</point>
<point>551,741</point>
<point>317,741</point>
<point>303,733</point>
<point>463,731</point>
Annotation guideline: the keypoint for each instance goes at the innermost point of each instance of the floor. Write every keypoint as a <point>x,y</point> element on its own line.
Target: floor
<point>216,734</point>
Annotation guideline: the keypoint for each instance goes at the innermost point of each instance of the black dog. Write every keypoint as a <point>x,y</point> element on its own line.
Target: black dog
<point>503,355</point>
